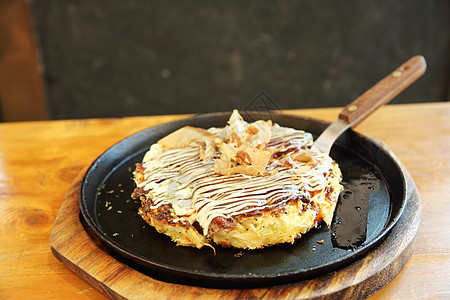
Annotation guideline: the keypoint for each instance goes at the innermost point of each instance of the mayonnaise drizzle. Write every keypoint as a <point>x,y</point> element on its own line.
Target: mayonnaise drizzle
<point>179,177</point>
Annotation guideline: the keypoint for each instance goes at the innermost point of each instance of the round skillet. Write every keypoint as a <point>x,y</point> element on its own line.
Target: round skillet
<point>110,215</point>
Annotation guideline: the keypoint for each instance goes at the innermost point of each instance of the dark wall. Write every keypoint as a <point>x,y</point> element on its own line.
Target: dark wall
<point>120,58</point>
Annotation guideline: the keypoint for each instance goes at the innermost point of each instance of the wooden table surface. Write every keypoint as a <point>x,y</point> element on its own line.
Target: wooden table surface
<point>39,160</point>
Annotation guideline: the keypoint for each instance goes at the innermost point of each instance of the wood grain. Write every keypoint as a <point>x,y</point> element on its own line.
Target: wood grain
<point>40,160</point>
<point>384,91</point>
<point>73,246</point>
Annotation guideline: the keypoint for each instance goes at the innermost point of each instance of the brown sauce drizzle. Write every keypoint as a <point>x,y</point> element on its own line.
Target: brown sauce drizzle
<point>215,196</point>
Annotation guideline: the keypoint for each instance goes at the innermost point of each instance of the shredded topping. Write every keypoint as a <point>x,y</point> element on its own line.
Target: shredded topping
<point>234,170</point>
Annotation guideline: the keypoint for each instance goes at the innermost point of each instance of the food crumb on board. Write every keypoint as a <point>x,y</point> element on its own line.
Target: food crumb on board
<point>239,254</point>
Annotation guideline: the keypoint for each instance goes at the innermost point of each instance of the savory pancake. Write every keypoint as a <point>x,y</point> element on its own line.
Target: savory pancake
<point>247,185</point>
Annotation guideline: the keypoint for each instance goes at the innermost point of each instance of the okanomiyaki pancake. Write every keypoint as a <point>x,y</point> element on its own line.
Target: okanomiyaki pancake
<point>247,185</point>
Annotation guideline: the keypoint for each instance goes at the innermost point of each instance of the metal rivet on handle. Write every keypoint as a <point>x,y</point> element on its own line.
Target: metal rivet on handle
<point>352,108</point>
<point>397,74</point>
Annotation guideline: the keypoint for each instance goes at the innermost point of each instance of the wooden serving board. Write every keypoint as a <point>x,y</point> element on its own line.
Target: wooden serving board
<point>71,244</point>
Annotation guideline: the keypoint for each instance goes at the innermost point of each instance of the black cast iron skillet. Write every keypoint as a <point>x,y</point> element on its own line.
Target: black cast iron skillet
<point>110,215</point>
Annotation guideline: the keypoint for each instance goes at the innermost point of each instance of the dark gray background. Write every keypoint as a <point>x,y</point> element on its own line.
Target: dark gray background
<point>121,58</point>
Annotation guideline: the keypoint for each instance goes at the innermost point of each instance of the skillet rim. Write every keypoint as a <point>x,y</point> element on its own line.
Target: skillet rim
<point>218,277</point>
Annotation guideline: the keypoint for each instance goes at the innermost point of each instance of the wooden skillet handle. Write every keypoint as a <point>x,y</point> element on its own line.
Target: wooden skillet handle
<point>384,91</point>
